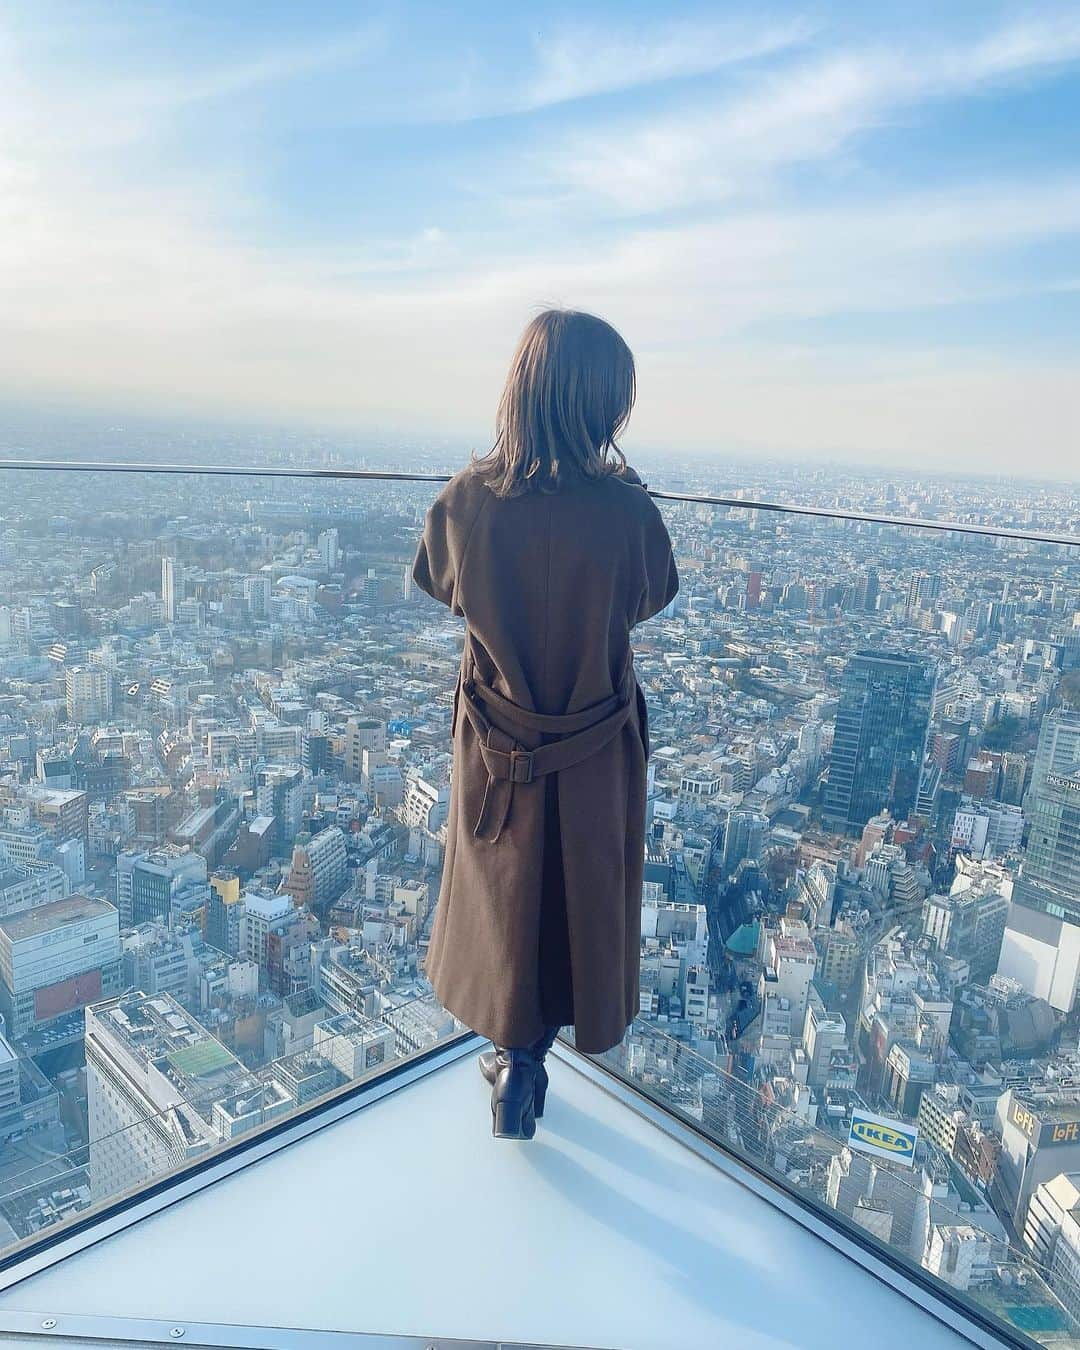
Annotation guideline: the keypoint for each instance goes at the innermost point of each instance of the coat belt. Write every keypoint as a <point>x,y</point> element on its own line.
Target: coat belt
<point>508,762</point>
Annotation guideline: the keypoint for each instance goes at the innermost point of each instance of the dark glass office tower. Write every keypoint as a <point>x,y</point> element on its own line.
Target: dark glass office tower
<point>1050,877</point>
<point>880,742</point>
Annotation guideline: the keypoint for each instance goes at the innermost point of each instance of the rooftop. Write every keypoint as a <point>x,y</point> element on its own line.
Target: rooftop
<point>44,918</point>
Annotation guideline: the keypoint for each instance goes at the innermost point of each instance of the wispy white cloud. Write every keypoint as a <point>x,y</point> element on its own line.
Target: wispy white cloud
<point>118,278</point>
<point>116,107</point>
<point>583,61</point>
<point>140,295</point>
<point>712,148</point>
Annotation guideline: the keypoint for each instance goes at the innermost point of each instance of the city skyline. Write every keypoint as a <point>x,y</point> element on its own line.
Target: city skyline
<point>825,234</point>
<point>225,787</point>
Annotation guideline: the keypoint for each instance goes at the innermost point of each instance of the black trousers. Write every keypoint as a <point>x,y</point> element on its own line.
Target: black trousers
<point>556,976</point>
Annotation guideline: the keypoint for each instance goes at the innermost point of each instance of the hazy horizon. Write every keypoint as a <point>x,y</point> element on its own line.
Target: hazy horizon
<point>42,430</point>
<point>827,235</point>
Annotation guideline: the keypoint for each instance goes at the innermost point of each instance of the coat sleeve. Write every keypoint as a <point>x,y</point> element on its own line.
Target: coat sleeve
<point>659,575</point>
<point>441,551</point>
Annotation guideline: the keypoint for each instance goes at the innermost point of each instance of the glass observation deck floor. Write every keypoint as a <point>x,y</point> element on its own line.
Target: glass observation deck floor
<point>407,1218</point>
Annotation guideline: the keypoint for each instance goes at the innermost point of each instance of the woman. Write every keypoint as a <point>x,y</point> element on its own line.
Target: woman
<point>551,550</point>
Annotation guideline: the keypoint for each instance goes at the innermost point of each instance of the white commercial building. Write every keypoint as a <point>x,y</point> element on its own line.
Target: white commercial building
<point>262,915</point>
<point>147,1062</point>
<point>1042,953</point>
<point>354,1043</point>
<point>964,1256</point>
<point>1049,1204</point>
<point>426,804</point>
<point>1065,1264</point>
<point>986,829</point>
<point>24,888</point>
<point>56,958</point>
<point>790,964</point>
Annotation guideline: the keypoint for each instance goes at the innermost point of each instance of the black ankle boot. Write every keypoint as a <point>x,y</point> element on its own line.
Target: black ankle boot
<point>513,1096</point>
<point>491,1061</point>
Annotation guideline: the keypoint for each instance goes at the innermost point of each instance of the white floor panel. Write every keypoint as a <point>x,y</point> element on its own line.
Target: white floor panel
<point>408,1217</point>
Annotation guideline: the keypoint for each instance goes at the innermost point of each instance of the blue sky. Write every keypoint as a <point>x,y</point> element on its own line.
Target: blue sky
<point>840,229</point>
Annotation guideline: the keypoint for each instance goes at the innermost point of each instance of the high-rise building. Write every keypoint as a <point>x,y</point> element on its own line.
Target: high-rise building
<point>361,735</point>
<point>1058,749</point>
<point>969,922</point>
<point>88,693</point>
<point>824,1035</point>
<point>262,916</point>
<point>986,829</point>
<point>1049,1203</point>
<point>1013,776</point>
<point>866,590</point>
<point>172,580</point>
<point>426,804</point>
<point>924,589</point>
<point>1042,937</point>
<point>257,595</point>
<point>320,869</point>
<point>24,887</point>
<point>354,1044</point>
<point>315,752</point>
<point>224,911</point>
<point>161,884</point>
<point>328,549</point>
<point>882,724</point>
<point>745,836</point>
<point>279,793</point>
<point>62,812</point>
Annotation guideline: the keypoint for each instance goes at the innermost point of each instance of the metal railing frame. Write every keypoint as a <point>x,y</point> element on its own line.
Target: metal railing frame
<point>660,494</point>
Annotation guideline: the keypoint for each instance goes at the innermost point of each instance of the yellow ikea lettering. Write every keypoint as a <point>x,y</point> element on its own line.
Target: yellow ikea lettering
<point>881,1136</point>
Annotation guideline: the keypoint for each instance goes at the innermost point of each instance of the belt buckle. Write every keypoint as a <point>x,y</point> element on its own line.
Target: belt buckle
<point>521,765</point>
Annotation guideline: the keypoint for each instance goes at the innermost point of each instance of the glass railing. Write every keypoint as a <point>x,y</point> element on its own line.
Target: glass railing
<point>140,1131</point>
<point>224,773</point>
<point>218,864</point>
<point>860,943</point>
<point>929,1219</point>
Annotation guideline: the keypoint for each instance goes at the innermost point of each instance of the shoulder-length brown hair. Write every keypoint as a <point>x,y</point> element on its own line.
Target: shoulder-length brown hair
<point>569,393</point>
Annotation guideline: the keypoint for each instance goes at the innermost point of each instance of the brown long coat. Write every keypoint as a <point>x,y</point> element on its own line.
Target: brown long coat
<point>549,585</point>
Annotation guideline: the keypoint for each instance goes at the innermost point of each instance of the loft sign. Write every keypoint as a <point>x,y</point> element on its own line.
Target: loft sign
<point>1045,1131</point>
<point>883,1138</point>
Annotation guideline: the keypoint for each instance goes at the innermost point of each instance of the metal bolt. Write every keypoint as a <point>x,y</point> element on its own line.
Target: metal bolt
<point>48,1324</point>
<point>177,1332</point>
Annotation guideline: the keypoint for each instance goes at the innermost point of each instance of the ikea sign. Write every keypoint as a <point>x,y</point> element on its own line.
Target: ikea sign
<point>883,1138</point>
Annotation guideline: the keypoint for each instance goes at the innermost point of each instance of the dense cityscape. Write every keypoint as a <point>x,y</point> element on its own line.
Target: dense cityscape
<point>224,784</point>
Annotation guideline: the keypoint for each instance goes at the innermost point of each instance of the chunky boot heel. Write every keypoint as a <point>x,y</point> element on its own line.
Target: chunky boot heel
<point>494,1061</point>
<point>512,1120</point>
<point>513,1112</point>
